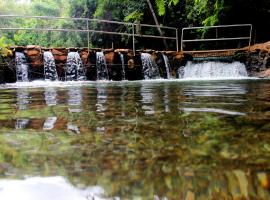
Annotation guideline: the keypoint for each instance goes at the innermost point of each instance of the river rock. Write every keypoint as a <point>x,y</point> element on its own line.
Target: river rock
<point>258,60</point>
<point>34,55</point>
<point>60,55</point>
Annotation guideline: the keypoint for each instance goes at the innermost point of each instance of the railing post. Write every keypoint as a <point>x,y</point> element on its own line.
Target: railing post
<point>250,36</point>
<point>182,35</point>
<point>176,37</point>
<point>133,38</point>
<point>88,36</point>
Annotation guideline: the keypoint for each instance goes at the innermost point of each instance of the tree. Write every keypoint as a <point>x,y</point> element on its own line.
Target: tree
<point>157,23</point>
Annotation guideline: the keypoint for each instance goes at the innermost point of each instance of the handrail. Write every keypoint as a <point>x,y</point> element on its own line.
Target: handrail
<point>87,30</point>
<point>215,39</point>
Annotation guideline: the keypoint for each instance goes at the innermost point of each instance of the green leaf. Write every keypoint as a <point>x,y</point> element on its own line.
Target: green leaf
<point>161,7</point>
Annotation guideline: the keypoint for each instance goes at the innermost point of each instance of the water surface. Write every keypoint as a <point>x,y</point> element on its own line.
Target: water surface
<point>139,140</point>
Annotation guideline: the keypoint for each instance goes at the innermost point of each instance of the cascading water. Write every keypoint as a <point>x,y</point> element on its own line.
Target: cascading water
<point>168,66</point>
<point>50,72</point>
<point>102,70</point>
<point>21,67</point>
<point>212,70</point>
<point>149,67</point>
<point>74,67</point>
<point>123,73</point>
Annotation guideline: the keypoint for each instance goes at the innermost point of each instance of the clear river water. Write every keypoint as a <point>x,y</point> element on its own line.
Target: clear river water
<point>135,140</point>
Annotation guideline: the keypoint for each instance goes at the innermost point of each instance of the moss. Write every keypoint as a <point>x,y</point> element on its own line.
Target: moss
<point>240,56</point>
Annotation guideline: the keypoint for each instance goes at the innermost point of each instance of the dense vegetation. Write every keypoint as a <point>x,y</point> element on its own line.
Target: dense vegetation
<point>175,13</point>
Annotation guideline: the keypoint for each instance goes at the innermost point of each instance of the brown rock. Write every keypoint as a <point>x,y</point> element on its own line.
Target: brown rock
<point>60,55</point>
<point>130,54</point>
<point>34,55</point>
<point>131,63</point>
<point>109,56</point>
<point>258,47</point>
<point>265,74</point>
<point>84,56</point>
<point>123,51</point>
<point>108,51</point>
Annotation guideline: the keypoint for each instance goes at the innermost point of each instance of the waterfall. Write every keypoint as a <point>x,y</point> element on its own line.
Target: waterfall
<point>50,72</point>
<point>213,70</point>
<point>167,66</point>
<point>21,67</point>
<point>102,70</point>
<point>74,67</point>
<point>123,73</point>
<point>149,67</point>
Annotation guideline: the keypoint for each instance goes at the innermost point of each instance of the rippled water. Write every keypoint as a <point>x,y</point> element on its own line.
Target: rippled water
<point>145,140</point>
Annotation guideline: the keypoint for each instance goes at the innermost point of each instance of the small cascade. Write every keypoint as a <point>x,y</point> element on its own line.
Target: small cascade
<point>208,70</point>
<point>149,67</point>
<point>50,72</point>
<point>168,66</point>
<point>102,70</point>
<point>21,67</point>
<point>123,73</point>
<point>74,67</point>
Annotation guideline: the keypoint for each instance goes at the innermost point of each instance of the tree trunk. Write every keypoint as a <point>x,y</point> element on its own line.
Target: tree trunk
<point>157,23</point>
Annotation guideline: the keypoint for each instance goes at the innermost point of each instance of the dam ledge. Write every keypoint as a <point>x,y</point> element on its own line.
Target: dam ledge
<point>256,60</point>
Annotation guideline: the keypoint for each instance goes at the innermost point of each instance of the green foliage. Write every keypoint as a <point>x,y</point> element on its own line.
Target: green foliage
<point>161,5</point>
<point>170,12</point>
<point>47,8</point>
<point>101,7</point>
<point>206,12</point>
<point>4,43</point>
<point>213,19</point>
<point>134,16</point>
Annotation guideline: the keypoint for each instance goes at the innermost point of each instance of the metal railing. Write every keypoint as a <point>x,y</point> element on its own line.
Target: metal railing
<point>217,38</point>
<point>88,30</point>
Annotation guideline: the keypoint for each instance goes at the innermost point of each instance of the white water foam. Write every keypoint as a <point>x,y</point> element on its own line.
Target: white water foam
<point>213,70</point>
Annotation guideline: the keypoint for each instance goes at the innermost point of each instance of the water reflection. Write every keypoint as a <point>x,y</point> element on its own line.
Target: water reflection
<point>50,96</point>
<point>23,98</point>
<point>49,123</point>
<point>211,90</point>
<point>73,128</point>
<point>224,98</point>
<point>166,99</point>
<point>47,188</point>
<point>75,100</point>
<point>147,99</point>
<point>101,106</point>
<point>21,123</point>
<point>206,140</point>
<point>212,110</point>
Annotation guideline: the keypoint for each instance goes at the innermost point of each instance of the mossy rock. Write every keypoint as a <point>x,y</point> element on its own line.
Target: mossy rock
<point>240,56</point>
